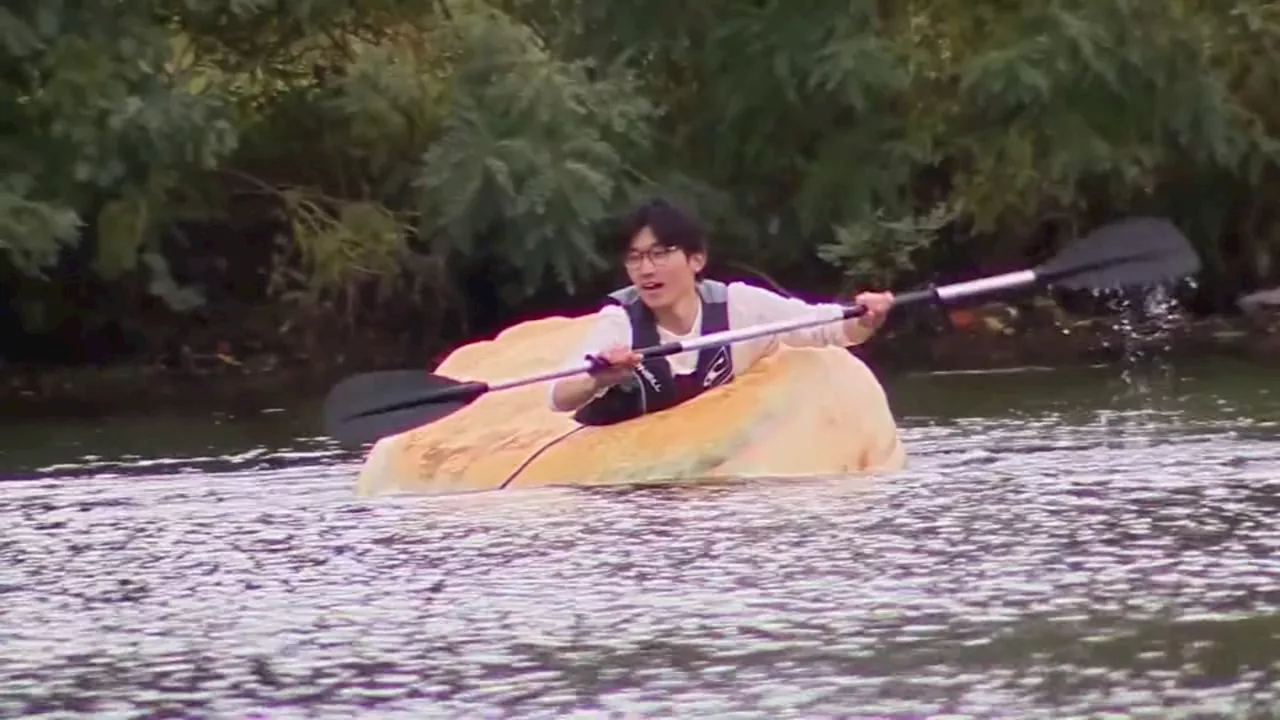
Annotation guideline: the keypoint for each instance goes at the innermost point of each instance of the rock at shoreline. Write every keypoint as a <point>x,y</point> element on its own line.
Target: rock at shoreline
<point>1261,309</point>
<point>1260,301</point>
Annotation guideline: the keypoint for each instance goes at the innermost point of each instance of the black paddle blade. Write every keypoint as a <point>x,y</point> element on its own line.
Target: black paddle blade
<point>365,408</point>
<point>1140,251</point>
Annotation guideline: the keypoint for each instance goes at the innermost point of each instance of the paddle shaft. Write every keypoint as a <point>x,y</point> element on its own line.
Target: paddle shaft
<point>1128,253</point>
<point>944,293</point>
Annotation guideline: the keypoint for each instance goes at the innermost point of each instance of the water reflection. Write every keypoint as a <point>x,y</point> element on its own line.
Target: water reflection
<point>1041,559</point>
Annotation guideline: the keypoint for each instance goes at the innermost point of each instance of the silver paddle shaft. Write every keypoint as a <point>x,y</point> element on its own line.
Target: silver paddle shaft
<point>944,294</point>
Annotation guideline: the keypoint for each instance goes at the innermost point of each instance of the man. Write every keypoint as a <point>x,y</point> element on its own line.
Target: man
<point>667,301</point>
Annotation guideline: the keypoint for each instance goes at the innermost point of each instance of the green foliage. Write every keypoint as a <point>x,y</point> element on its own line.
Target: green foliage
<point>32,232</point>
<point>534,152</point>
<point>396,139</point>
<point>875,252</point>
<point>93,121</point>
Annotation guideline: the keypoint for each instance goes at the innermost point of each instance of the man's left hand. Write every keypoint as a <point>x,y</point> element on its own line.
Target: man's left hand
<point>878,305</point>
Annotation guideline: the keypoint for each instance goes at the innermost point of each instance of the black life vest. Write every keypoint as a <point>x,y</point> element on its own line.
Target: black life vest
<point>653,386</point>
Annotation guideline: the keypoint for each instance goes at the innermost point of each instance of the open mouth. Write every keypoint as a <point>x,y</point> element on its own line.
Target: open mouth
<point>651,286</point>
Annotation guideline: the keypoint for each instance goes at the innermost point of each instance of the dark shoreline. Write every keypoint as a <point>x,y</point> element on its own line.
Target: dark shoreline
<point>253,383</point>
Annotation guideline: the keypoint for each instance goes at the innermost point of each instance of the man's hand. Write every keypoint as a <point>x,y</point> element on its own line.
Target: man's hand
<point>878,306</point>
<point>622,361</point>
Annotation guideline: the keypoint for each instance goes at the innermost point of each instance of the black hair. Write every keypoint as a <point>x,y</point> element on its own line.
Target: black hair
<point>670,224</point>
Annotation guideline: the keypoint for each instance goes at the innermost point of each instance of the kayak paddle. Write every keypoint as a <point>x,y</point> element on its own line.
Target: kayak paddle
<point>1133,252</point>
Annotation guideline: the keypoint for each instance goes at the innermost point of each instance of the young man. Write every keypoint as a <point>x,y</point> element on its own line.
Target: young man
<point>666,251</point>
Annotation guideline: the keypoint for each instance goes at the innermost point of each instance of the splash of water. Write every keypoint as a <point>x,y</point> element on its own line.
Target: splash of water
<point>1146,323</point>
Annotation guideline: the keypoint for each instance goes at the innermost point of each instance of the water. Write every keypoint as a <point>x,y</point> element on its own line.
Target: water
<point>1066,544</point>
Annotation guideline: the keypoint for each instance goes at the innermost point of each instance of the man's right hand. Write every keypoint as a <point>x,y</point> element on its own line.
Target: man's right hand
<point>622,361</point>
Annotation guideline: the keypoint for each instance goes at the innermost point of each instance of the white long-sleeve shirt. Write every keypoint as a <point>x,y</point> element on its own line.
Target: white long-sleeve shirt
<point>748,306</point>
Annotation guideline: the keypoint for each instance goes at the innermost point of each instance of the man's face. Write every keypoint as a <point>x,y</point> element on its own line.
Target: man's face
<point>663,274</point>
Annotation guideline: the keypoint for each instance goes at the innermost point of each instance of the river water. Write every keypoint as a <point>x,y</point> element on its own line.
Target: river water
<point>1066,544</point>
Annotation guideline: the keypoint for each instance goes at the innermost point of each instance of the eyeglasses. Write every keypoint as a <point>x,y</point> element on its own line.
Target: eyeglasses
<point>658,255</point>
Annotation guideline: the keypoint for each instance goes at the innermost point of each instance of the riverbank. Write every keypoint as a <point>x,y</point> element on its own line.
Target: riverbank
<point>991,337</point>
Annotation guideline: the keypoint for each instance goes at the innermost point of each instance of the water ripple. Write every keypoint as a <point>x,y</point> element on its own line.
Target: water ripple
<point>1047,565</point>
